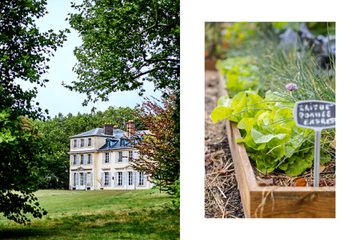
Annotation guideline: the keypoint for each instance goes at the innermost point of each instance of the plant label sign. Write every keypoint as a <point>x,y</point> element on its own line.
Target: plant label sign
<point>317,115</point>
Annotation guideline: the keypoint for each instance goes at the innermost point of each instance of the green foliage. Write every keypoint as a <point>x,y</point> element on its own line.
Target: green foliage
<point>120,214</point>
<point>175,191</point>
<point>269,132</point>
<point>24,54</point>
<point>22,151</point>
<point>240,73</point>
<point>56,133</point>
<point>124,44</point>
<point>282,26</point>
<point>223,38</point>
<point>323,28</point>
<point>316,28</point>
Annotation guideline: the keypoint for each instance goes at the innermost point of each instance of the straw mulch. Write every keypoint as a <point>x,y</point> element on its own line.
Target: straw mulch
<point>222,198</point>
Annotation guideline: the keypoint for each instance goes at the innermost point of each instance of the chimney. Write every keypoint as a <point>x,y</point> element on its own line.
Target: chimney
<point>130,127</point>
<point>108,129</point>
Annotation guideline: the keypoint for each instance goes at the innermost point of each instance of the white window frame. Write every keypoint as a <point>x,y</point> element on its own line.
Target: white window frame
<point>130,178</point>
<point>75,143</point>
<point>89,158</point>
<point>89,179</point>
<point>82,142</point>
<point>74,179</point>
<point>107,180</point>
<point>107,157</point>
<point>119,180</point>
<point>81,159</point>
<point>82,179</point>
<point>89,142</point>
<point>141,179</point>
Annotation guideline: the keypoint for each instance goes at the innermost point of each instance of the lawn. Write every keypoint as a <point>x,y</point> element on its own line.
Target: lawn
<point>99,215</point>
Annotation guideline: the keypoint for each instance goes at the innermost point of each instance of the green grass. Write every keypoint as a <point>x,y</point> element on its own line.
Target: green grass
<point>137,214</point>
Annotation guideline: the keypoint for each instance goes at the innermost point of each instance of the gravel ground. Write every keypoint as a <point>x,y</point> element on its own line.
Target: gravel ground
<point>222,198</point>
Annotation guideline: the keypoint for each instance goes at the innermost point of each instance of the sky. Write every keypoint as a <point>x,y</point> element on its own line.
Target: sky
<point>55,97</point>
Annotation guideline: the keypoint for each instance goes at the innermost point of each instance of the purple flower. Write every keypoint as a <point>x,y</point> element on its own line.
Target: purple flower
<point>291,87</point>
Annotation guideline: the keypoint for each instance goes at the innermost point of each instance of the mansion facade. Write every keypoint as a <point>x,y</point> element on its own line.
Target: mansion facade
<point>101,159</point>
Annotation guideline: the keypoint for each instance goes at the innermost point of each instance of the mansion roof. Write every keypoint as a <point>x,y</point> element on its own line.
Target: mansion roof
<point>118,140</point>
<point>99,132</point>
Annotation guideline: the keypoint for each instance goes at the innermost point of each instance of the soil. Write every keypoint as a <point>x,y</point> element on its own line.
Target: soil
<point>222,198</point>
<point>327,177</point>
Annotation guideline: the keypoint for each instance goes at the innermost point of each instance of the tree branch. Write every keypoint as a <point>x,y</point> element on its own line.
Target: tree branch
<point>162,59</point>
<point>153,70</point>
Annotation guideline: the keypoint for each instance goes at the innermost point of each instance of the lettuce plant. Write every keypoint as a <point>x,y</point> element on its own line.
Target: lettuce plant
<point>269,132</point>
<point>240,73</point>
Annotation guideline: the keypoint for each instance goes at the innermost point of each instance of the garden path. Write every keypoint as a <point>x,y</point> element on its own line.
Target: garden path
<point>222,198</point>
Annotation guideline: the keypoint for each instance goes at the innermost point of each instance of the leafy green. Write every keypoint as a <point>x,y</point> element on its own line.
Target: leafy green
<point>240,73</point>
<point>269,132</point>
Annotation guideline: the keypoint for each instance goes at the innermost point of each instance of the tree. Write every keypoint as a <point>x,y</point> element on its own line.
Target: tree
<point>22,150</point>
<point>24,53</point>
<point>126,43</point>
<point>159,149</point>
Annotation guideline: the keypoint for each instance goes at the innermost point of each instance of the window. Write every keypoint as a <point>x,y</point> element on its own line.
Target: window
<point>81,159</point>
<point>75,143</point>
<point>120,159</point>
<point>106,178</point>
<point>130,178</point>
<point>130,156</point>
<point>141,179</point>
<point>89,142</point>
<point>120,179</point>
<point>74,179</point>
<point>81,142</point>
<point>74,160</point>
<point>88,179</point>
<point>107,157</point>
<point>81,179</point>
<point>89,160</point>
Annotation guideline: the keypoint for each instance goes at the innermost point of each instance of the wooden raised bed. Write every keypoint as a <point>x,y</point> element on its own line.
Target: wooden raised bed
<point>276,201</point>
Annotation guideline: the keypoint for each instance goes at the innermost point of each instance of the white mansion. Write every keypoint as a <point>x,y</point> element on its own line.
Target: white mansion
<point>101,159</point>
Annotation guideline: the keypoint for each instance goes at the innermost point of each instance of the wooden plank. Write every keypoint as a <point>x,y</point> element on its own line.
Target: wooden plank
<point>240,172</point>
<point>290,202</point>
